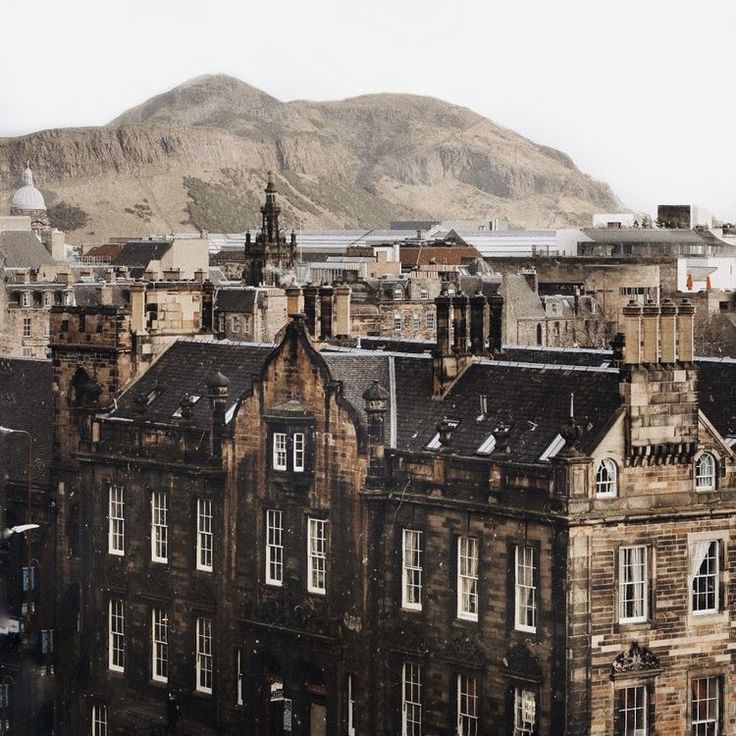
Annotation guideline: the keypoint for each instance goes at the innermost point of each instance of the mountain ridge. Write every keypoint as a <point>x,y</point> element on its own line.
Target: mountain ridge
<point>196,157</point>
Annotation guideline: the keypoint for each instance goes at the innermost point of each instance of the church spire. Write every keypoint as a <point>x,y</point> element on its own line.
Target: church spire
<point>270,214</point>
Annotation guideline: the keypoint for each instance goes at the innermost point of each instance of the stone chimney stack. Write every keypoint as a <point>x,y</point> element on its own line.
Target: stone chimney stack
<point>478,323</point>
<point>442,304</point>
<point>659,383</point>
<point>650,332</point>
<point>217,392</point>
<point>294,302</point>
<point>460,323</point>
<point>685,320</point>
<point>376,399</point>
<point>342,311</point>
<point>137,308</point>
<point>325,312</point>
<point>311,311</point>
<point>496,324</point>
<point>668,332</point>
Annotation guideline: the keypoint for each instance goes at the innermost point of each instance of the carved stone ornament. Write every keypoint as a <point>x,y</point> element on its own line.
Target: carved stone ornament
<point>637,659</point>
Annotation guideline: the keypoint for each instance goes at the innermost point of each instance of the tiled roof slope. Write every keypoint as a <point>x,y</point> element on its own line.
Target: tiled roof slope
<point>529,388</point>
<point>536,400</point>
<point>22,249</point>
<point>183,369</point>
<point>140,254</point>
<point>26,403</point>
<point>235,300</point>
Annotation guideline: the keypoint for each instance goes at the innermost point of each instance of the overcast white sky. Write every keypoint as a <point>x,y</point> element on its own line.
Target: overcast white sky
<point>640,93</point>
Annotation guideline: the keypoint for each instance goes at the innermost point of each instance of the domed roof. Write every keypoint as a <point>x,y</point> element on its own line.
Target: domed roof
<point>27,197</point>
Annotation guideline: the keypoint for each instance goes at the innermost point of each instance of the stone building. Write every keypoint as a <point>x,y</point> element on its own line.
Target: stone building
<point>345,541</point>
<point>250,313</point>
<point>269,259</point>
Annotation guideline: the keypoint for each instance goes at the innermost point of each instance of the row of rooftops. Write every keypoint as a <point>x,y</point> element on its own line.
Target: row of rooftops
<point>524,391</point>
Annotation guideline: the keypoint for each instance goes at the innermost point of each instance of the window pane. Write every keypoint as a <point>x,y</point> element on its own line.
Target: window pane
<point>467,582</point>
<point>317,555</point>
<point>526,591</point>
<point>204,655</point>
<point>411,700</point>
<point>204,534</point>
<point>116,521</point>
<point>274,547</point>
<point>159,527</point>
<point>411,569</point>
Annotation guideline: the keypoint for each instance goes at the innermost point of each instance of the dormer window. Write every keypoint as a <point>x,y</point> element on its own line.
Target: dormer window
<point>398,293</point>
<point>25,299</point>
<point>290,439</point>
<point>705,473</point>
<point>605,479</point>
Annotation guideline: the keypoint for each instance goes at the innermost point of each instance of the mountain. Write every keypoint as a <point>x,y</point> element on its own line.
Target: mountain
<point>196,157</point>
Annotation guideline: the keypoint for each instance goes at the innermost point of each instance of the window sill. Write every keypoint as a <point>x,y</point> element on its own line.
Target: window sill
<point>708,619</point>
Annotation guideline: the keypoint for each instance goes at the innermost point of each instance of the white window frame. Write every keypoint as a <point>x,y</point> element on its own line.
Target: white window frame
<point>430,320</point>
<point>274,547</point>
<point>239,677</point>
<point>633,584</point>
<point>467,578</point>
<point>26,299</point>
<point>351,706</point>
<point>606,486</point>
<point>700,559</point>
<point>116,520</point>
<point>411,569</point>
<point>205,539</point>
<point>398,322</point>
<point>280,453</point>
<point>411,699</point>
<point>159,527</point>
<point>316,555</point>
<point>398,293</point>
<point>522,725</point>
<point>525,588</point>
<point>705,480</point>
<point>116,635</point>
<point>204,658</point>
<point>423,294</point>
<point>27,327</point>
<point>634,700</point>
<point>416,322</point>
<point>159,644</point>
<point>467,705</point>
<point>299,447</point>
<point>703,721</point>
<point>99,720</point>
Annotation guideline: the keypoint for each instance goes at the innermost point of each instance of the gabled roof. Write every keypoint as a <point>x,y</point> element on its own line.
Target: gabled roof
<point>138,254</point>
<point>238,300</point>
<point>22,249</point>
<point>26,403</point>
<point>183,370</point>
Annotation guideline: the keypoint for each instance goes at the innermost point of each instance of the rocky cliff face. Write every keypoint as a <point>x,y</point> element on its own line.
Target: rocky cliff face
<point>196,158</point>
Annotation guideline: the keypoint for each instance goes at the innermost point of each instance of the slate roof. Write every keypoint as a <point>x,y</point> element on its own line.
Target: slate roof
<point>22,249</point>
<point>26,403</point>
<point>139,254</point>
<point>236,300</point>
<point>528,387</point>
<point>183,369</point>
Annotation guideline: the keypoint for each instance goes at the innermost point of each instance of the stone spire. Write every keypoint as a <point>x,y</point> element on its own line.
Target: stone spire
<point>270,214</point>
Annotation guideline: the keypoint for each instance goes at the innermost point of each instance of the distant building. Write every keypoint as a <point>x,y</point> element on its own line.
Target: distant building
<point>684,216</point>
<point>614,220</point>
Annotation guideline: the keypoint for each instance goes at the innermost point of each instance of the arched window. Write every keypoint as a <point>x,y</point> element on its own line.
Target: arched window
<point>605,478</point>
<point>705,472</point>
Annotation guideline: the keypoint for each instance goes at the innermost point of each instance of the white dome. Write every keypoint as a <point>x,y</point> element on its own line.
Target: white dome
<point>28,197</point>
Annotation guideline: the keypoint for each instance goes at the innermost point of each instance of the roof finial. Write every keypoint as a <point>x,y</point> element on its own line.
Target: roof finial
<point>28,175</point>
<point>572,405</point>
